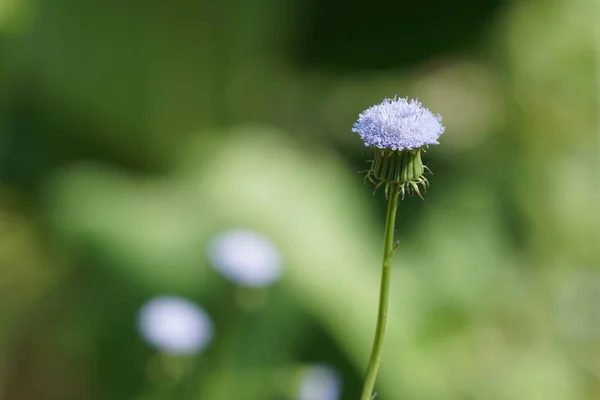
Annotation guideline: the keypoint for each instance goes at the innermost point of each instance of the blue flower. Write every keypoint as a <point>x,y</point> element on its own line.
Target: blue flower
<point>246,257</point>
<point>175,325</point>
<point>399,124</point>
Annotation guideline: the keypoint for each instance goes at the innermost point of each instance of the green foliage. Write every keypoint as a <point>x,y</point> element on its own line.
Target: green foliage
<point>132,132</point>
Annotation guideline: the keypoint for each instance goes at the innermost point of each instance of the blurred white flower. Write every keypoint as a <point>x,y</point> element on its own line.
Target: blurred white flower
<point>246,257</point>
<point>175,325</point>
<point>320,383</point>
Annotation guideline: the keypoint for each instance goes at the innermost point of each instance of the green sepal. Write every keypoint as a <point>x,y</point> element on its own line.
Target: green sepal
<point>402,167</point>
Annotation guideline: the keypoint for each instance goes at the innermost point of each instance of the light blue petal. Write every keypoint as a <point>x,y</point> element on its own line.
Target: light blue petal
<point>399,124</point>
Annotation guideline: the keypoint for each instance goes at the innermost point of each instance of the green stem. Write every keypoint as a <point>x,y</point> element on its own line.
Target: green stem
<point>388,251</point>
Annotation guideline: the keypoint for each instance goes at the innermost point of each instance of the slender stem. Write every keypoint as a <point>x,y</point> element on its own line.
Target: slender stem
<point>388,251</point>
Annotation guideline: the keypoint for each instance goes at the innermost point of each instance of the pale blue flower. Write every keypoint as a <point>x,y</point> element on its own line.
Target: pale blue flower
<point>399,124</point>
<point>175,325</point>
<point>321,382</point>
<point>246,257</point>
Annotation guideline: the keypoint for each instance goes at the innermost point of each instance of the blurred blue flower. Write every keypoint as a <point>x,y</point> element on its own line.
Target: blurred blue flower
<point>320,382</point>
<point>246,257</point>
<point>175,325</point>
<point>398,124</point>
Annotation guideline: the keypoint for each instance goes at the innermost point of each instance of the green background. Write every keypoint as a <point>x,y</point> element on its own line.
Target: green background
<point>131,132</point>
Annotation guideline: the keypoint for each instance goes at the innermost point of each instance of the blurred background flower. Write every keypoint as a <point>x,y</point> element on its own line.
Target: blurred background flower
<point>320,382</point>
<point>136,136</point>
<point>245,257</point>
<point>175,325</point>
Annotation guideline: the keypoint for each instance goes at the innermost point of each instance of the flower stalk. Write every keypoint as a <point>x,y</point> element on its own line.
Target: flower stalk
<point>399,130</point>
<point>384,294</point>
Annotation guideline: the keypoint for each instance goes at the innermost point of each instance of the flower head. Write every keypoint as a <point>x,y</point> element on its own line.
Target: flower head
<point>175,325</point>
<point>399,124</point>
<point>320,382</point>
<point>246,257</point>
